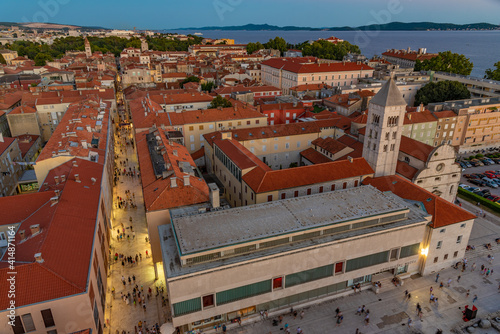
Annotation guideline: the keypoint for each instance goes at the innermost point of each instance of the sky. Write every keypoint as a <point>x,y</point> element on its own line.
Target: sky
<point>171,14</point>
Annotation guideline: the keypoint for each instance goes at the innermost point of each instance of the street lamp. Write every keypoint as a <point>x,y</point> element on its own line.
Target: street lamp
<point>424,251</point>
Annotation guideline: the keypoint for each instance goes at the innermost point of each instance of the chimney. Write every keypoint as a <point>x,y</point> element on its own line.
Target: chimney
<point>409,115</point>
<point>54,154</point>
<point>57,192</point>
<point>77,178</point>
<point>54,200</point>
<point>214,195</point>
<point>173,182</point>
<point>93,179</point>
<point>22,235</point>
<point>75,163</point>
<point>63,178</point>
<point>349,158</point>
<point>35,229</point>
<point>175,153</point>
<point>56,178</point>
<point>186,180</point>
<point>84,144</point>
<point>38,257</point>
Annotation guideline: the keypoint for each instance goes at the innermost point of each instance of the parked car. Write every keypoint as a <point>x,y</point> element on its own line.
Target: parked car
<point>463,186</point>
<point>484,193</point>
<point>477,182</point>
<point>490,183</point>
<point>462,164</point>
<point>467,164</point>
<point>476,162</point>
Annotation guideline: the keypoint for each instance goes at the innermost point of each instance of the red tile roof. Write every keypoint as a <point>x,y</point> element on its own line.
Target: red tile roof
<point>413,55</point>
<point>423,116</point>
<point>444,114</point>
<point>406,170</point>
<point>69,135</point>
<point>443,212</point>
<point>158,193</point>
<point>144,119</point>
<point>314,156</point>
<point>307,65</point>
<point>329,144</point>
<point>415,148</point>
<point>239,154</point>
<point>7,141</point>
<point>261,181</point>
<point>352,143</point>
<point>65,240</point>
<point>307,87</point>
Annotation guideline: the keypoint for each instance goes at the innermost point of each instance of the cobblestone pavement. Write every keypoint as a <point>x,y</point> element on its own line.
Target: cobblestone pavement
<point>121,316</point>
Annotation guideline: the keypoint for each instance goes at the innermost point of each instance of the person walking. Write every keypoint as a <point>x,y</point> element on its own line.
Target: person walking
<point>458,278</point>
<point>409,322</point>
<point>437,277</point>
<point>449,282</point>
<point>467,294</point>
<point>474,299</point>
<point>367,318</point>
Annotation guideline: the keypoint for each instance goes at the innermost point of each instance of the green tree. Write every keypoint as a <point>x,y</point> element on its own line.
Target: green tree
<point>42,58</point>
<point>493,74</point>
<point>207,86</point>
<point>191,78</point>
<point>219,101</point>
<point>446,62</point>
<point>2,59</point>
<point>441,91</point>
<point>326,50</point>
<point>277,43</point>
<point>252,47</point>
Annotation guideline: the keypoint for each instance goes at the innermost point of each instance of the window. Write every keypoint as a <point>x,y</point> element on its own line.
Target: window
<point>192,147</point>
<point>344,185</point>
<point>248,122</point>
<point>462,226</point>
<point>283,196</point>
<point>208,301</point>
<point>275,147</point>
<point>191,128</point>
<point>309,191</point>
<point>385,148</point>
<point>394,135</point>
<point>435,259</point>
<point>242,292</point>
<point>455,254</point>
<point>296,193</point>
<point>367,261</point>
<point>394,254</point>
<point>257,122</point>
<point>264,148</point>
<point>287,145</point>
<point>29,326</point>
<point>298,144</point>
<point>320,189</point>
<point>339,267</point>
<point>48,319</point>
<point>333,187</point>
<point>439,244</point>
<point>18,326</point>
<point>188,306</point>
<point>308,275</point>
<point>251,195</point>
<point>459,239</point>
<point>442,230</point>
<point>277,283</point>
<point>445,257</point>
<point>270,198</point>
<point>191,138</point>
<point>355,183</point>
<point>201,127</point>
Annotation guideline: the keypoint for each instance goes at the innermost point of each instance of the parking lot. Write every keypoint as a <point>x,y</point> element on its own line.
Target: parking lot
<point>480,170</point>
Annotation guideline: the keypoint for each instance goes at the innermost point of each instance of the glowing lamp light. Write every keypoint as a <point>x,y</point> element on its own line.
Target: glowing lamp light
<point>424,251</point>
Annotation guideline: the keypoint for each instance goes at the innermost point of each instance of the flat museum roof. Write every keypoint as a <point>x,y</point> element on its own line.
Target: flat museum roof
<point>217,229</point>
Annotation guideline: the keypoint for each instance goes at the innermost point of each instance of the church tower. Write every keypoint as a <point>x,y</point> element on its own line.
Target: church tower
<point>144,45</point>
<point>88,49</point>
<point>384,127</point>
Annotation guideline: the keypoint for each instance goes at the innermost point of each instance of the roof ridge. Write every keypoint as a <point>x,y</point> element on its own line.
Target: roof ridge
<point>59,276</point>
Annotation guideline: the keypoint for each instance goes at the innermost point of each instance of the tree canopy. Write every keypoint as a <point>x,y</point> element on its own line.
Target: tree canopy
<point>327,50</point>
<point>493,74</point>
<point>446,62</point>
<point>2,59</point>
<point>191,78</point>
<point>278,43</point>
<point>111,44</point>
<point>252,47</point>
<point>441,91</point>
<point>219,101</point>
<point>207,86</point>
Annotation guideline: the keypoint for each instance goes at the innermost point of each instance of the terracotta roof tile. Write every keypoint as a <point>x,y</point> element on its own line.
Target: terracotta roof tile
<point>415,148</point>
<point>314,156</point>
<point>262,182</point>
<point>443,212</point>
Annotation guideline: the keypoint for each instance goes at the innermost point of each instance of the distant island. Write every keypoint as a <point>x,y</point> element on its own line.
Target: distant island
<point>393,26</point>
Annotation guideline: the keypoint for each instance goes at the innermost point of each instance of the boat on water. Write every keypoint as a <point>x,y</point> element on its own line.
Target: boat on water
<point>198,33</point>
